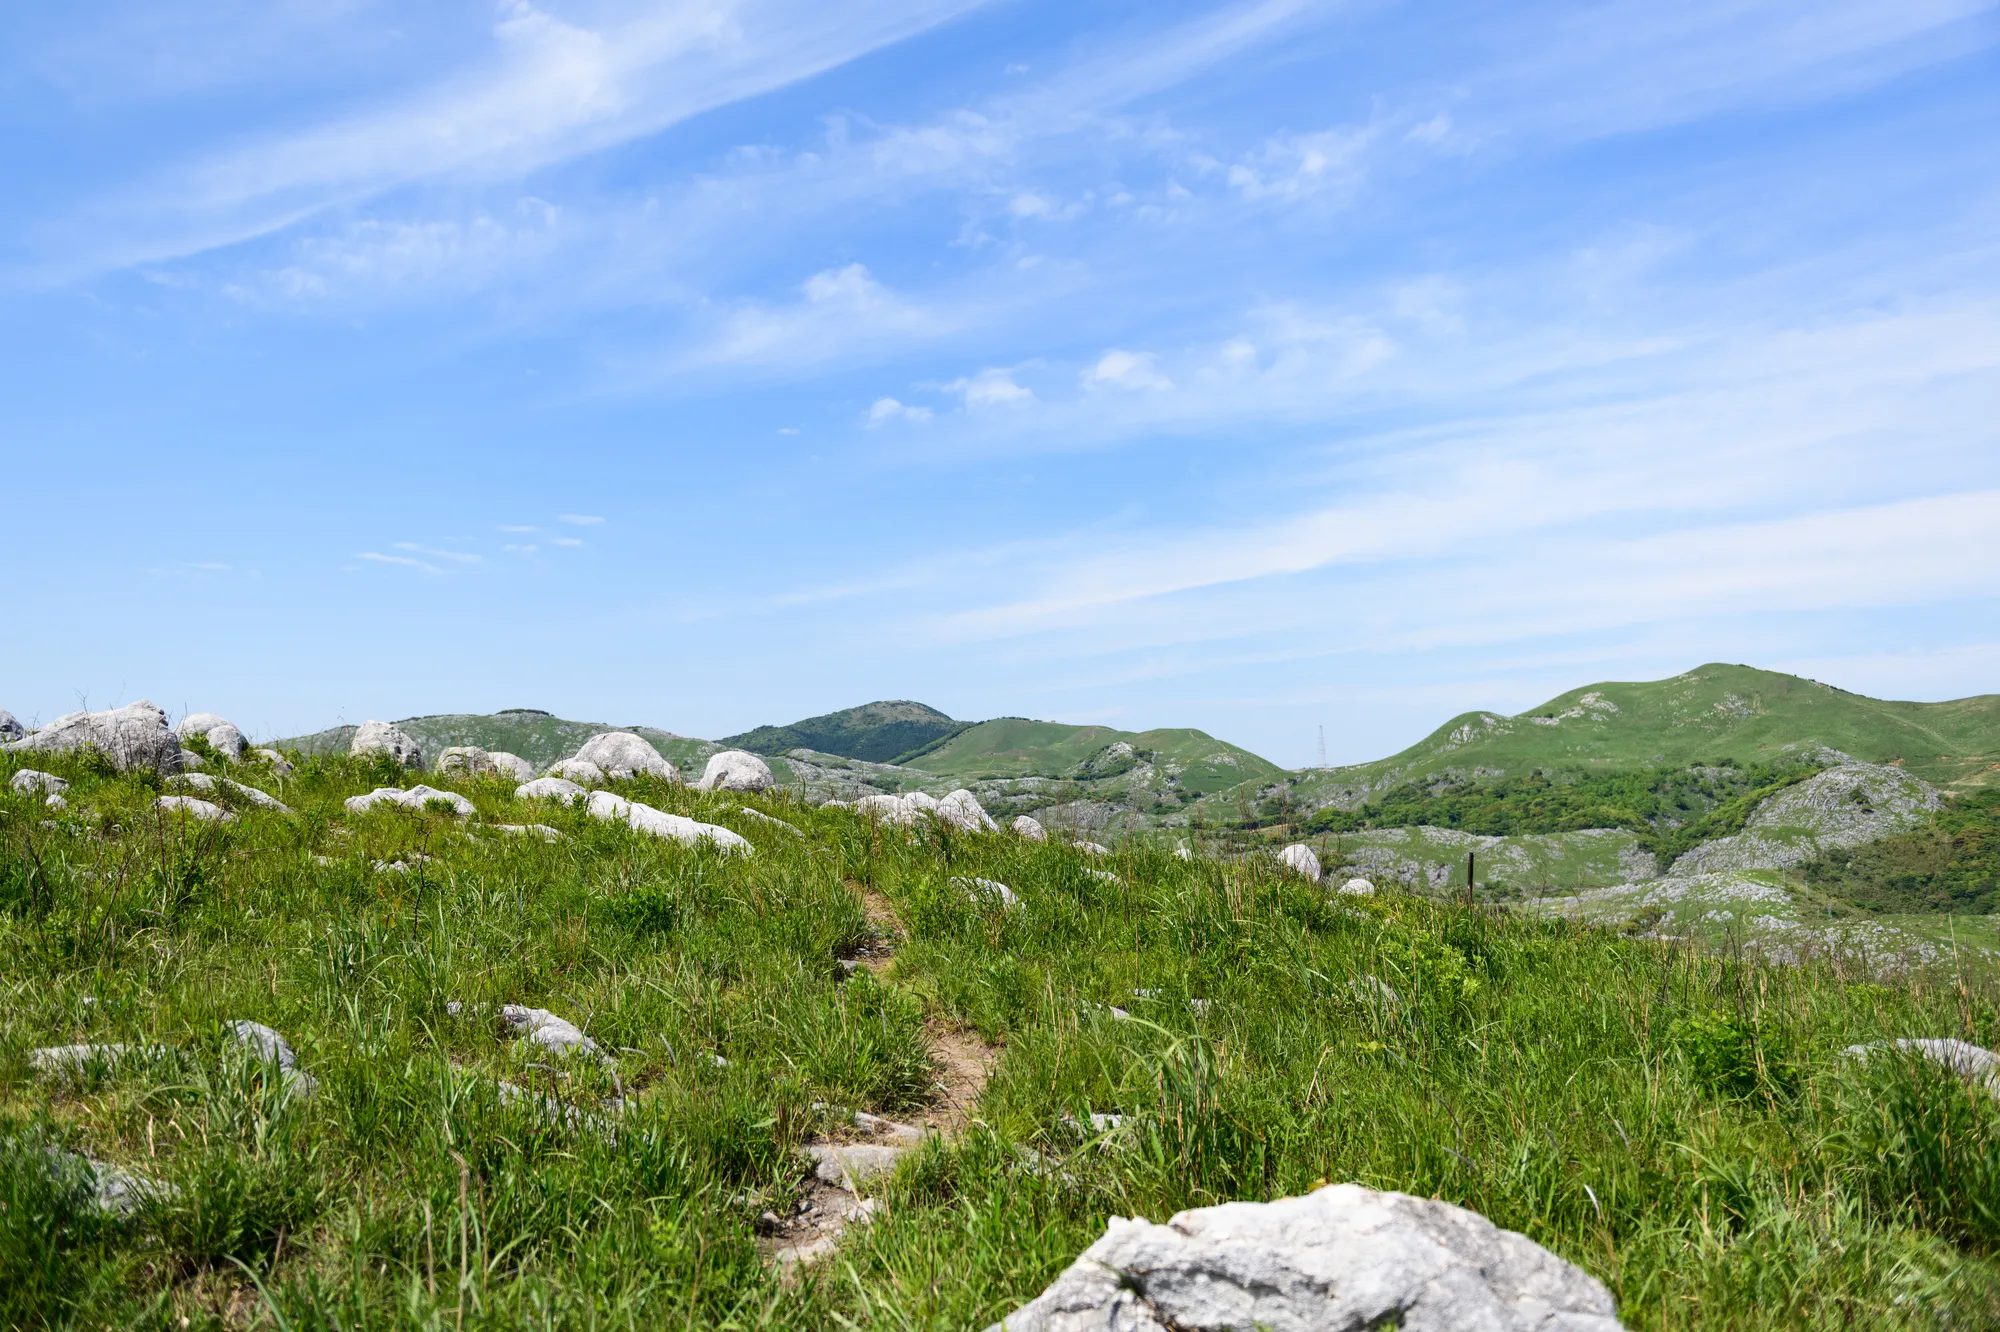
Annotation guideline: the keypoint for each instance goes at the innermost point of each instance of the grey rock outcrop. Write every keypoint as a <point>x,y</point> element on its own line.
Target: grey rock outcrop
<point>1340,1257</point>
<point>1030,828</point>
<point>622,754</point>
<point>1843,806</point>
<point>10,728</point>
<point>254,1040</point>
<point>379,737</point>
<point>28,780</point>
<point>275,760</point>
<point>1301,860</point>
<point>576,770</point>
<point>991,889</point>
<point>736,770</point>
<point>193,807</point>
<point>1976,1064</point>
<point>551,788</point>
<point>132,737</point>
<point>510,765</point>
<point>201,781</point>
<point>1358,888</point>
<point>657,823</point>
<point>962,810</point>
<point>558,1036</point>
<point>416,797</point>
<point>222,735</point>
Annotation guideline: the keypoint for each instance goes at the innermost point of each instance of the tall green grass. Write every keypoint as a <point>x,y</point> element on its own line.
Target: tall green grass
<point>1680,1123</point>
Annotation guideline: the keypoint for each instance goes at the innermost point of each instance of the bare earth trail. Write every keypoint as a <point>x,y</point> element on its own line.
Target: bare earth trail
<point>867,1149</point>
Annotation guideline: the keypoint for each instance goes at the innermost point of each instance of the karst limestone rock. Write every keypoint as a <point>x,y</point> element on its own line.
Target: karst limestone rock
<point>1358,888</point>
<point>736,770</point>
<point>1846,805</point>
<point>991,889</point>
<point>510,765</point>
<point>10,728</point>
<point>1092,848</point>
<point>201,781</point>
<point>889,809</point>
<point>851,1166</point>
<point>961,809</point>
<point>656,823</point>
<point>132,737</point>
<point>559,1036</point>
<point>622,754</point>
<point>254,1040</point>
<point>275,760</point>
<point>1030,828</point>
<point>193,807</point>
<point>222,735</point>
<point>28,780</point>
<point>1300,859</point>
<point>379,737</point>
<point>768,820</point>
<point>1976,1064</point>
<point>1342,1256</point>
<point>416,797</point>
<point>551,788</point>
<point>576,770</point>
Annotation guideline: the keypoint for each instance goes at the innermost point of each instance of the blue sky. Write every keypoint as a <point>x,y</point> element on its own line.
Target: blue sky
<point>1257,367</point>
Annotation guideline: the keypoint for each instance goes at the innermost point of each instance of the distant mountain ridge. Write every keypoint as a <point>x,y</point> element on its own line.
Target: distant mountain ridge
<point>1715,711</point>
<point>888,731</point>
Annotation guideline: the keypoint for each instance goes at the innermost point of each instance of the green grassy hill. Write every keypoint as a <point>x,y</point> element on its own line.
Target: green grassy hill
<point>1017,747</point>
<point>880,732</point>
<point>1712,712</point>
<point>1681,1123</point>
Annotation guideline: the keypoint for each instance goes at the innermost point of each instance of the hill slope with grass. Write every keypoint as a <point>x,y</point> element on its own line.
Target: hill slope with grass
<point>537,736</point>
<point>1713,712</point>
<point>1682,1123</point>
<point>880,732</point>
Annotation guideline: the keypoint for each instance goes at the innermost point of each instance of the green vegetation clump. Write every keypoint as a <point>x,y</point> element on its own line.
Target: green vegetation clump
<point>1682,1123</point>
<point>1951,864</point>
<point>1671,809</point>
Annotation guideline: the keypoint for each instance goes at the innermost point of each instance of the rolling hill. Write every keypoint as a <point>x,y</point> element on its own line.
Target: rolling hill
<point>882,732</point>
<point>1018,747</point>
<point>1713,712</point>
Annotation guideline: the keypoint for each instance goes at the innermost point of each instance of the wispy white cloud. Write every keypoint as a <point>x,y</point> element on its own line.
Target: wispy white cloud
<point>581,519</point>
<point>889,409</point>
<point>841,312</point>
<point>1126,370</point>
<point>544,90</point>
<point>991,387</point>
<point>565,541</point>
<point>452,556</point>
<point>405,561</point>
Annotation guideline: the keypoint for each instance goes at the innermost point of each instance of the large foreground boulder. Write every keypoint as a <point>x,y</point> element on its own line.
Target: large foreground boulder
<point>622,754</point>
<point>1340,1257</point>
<point>472,761</point>
<point>736,770</point>
<point>11,728</point>
<point>379,737</point>
<point>134,736</point>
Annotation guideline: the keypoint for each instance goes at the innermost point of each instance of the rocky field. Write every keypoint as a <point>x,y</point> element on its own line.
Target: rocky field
<point>390,1038</point>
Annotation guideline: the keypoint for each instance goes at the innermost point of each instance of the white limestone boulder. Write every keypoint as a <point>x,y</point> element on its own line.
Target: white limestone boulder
<point>559,1036</point>
<point>1092,848</point>
<point>379,737</point>
<point>193,807</point>
<point>1030,828</point>
<point>889,809</point>
<point>991,890</point>
<point>254,1040</point>
<point>1974,1063</point>
<point>11,728</point>
<point>132,737</point>
<point>465,761</point>
<point>736,770</point>
<point>1342,1256</point>
<point>1300,860</point>
<point>275,761</point>
<point>201,781</point>
<point>28,781</point>
<point>622,754</point>
<point>1358,888</point>
<point>551,788</point>
<point>582,771</point>
<point>962,810</point>
<point>510,765</point>
<point>416,797</point>
<point>657,823</point>
<point>222,735</point>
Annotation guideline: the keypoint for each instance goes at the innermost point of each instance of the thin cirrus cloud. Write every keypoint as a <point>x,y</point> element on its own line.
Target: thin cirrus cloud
<point>543,90</point>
